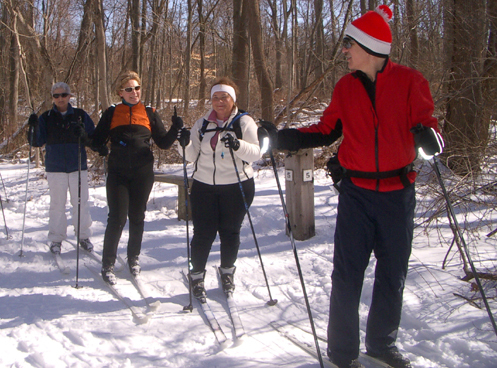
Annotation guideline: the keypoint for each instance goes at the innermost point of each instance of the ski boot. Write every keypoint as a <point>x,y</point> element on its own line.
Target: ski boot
<point>227,279</point>
<point>86,245</point>
<point>108,274</point>
<point>55,247</point>
<point>197,282</point>
<point>134,266</point>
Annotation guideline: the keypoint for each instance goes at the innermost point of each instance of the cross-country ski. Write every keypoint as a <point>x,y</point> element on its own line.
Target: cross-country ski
<point>138,316</point>
<point>61,265</point>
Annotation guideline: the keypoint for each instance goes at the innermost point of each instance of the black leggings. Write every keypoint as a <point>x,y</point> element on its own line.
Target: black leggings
<point>127,197</point>
<point>218,208</point>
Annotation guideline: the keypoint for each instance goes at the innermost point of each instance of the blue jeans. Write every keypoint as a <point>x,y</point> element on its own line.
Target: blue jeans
<point>369,221</point>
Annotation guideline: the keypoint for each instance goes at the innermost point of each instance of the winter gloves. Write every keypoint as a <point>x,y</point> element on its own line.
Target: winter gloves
<point>32,124</point>
<point>183,133</point>
<point>231,141</point>
<point>103,150</point>
<point>428,142</point>
<point>177,121</point>
<point>293,139</point>
<point>183,137</point>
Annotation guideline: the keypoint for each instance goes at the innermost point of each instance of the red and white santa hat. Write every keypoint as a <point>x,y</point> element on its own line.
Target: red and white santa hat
<point>372,30</point>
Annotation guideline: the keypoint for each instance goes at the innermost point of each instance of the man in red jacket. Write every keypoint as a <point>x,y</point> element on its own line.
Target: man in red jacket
<point>384,113</point>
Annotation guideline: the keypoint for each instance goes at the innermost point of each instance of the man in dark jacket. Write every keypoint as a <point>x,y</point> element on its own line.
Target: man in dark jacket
<point>63,130</point>
<point>384,113</point>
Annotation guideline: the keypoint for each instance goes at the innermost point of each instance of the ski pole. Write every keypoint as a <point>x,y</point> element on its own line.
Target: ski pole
<point>4,220</point>
<point>292,241</point>
<point>188,307</point>
<point>451,212</point>
<point>5,190</point>
<point>31,133</point>
<point>272,301</point>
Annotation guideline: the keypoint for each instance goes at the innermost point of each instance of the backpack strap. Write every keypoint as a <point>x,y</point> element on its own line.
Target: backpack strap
<point>233,126</point>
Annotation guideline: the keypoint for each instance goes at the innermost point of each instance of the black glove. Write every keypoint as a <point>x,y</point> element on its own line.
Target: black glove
<point>428,142</point>
<point>272,132</point>
<point>79,132</point>
<point>33,120</point>
<point>32,125</point>
<point>103,150</point>
<point>176,120</point>
<point>183,137</point>
<point>230,141</point>
<point>289,139</point>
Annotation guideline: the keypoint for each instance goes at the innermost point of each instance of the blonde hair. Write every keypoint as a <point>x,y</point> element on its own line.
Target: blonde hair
<point>125,78</point>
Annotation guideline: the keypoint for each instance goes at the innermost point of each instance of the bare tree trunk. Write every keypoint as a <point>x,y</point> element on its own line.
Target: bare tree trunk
<point>101,55</point>
<point>203,83</point>
<point>265,85</point>
<point>135,34</point>
<point>278,43</point>
<point>319,48</point>
<point>188,58</point>
<point>239,66</point>
<point>413,34</point>
<point>14,80</point>
<point>465,130</point>
<point>490,65</point>
<point>84,39</point>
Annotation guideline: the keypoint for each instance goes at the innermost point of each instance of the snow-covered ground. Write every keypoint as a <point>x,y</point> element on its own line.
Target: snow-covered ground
<point>46,322</point>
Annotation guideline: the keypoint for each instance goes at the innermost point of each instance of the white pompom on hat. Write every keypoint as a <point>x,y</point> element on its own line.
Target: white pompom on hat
<point>372,30</point>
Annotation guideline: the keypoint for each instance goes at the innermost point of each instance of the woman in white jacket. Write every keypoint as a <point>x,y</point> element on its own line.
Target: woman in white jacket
<point>216,199</point>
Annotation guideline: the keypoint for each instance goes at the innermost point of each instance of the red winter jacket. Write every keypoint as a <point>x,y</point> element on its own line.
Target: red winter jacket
<point>378,138</point>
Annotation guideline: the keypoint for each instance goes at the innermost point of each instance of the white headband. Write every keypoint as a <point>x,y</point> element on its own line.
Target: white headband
<point>224,88</point>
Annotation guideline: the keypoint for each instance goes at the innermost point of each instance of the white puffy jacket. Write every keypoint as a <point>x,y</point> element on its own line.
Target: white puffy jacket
<point>216,167</point>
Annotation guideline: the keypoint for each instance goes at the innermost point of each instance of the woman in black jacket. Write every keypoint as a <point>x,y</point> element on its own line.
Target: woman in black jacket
<point>129,126</point>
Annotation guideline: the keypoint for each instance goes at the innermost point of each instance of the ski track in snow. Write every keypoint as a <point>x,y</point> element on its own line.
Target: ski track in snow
<point>46,322</point>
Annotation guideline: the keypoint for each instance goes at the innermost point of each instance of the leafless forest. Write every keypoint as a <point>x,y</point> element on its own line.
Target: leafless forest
<point>284,55</point>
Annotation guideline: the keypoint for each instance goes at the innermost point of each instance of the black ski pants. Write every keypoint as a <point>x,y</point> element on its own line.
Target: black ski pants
<point>369,221</point>
<point>127,197</point>
<point>218,209</point>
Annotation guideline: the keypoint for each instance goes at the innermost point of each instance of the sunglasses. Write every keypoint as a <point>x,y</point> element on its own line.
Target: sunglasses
<point>57,95</point>
<point>130,89</point>
<point>347,43</point>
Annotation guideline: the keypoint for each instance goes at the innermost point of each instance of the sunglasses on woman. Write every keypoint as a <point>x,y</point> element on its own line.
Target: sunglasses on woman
<point>130,89</point>
<point>57,95</point>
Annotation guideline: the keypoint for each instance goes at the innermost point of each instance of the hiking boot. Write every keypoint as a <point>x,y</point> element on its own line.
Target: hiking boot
<point>198,289</point>
<point>393,358</point>
<point>55,247</point>
<point>86,244</point>
<point>134,266</point>
<point>108,274</point>
<point>227,279</point>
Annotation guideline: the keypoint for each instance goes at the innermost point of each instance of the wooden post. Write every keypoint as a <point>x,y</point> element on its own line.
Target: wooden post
<point>299,185</point>
<point>180,182</point>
